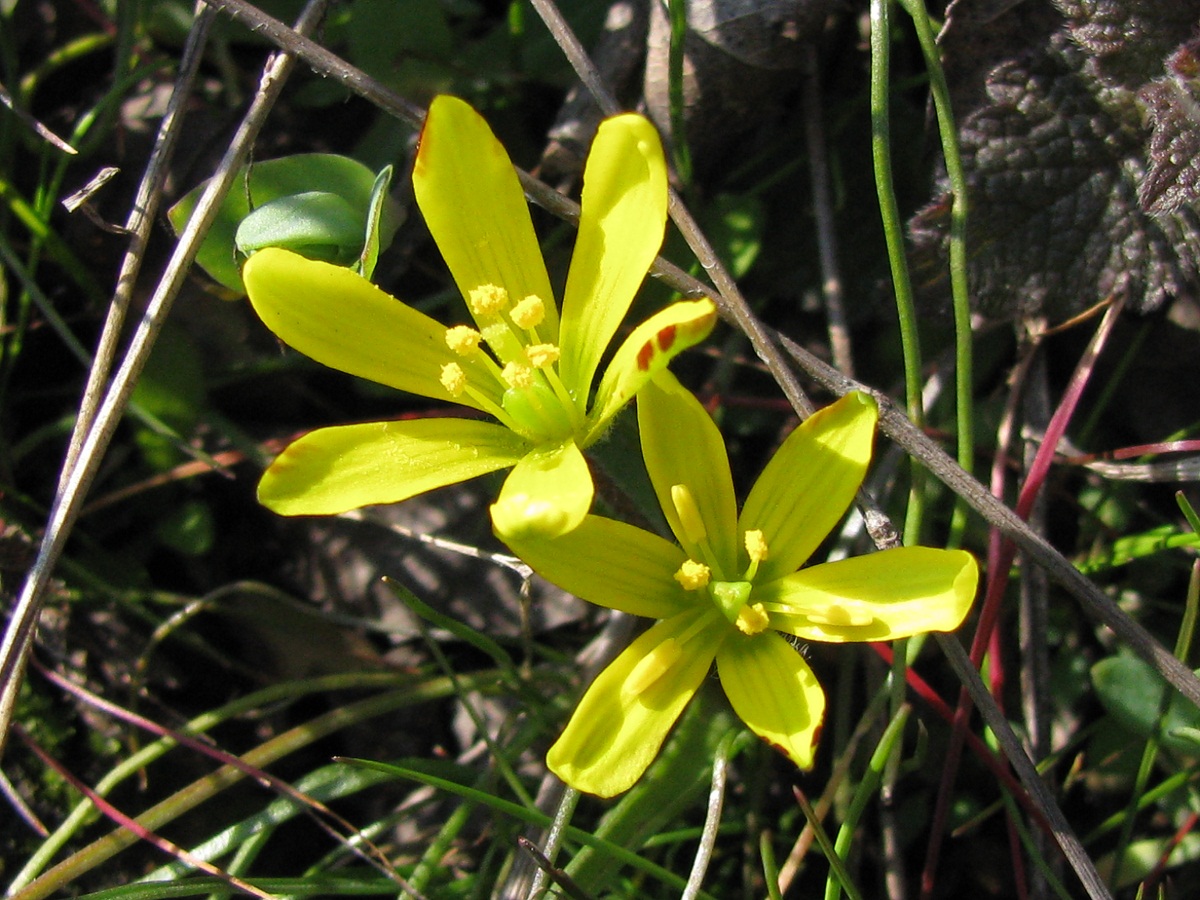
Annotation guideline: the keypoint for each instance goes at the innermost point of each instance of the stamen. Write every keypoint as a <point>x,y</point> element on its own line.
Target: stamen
<point>756,545</point>
<point>693,575</point>
<point>529,313</point>
<point>498,411</point>
<point>689,513</point>
<point>752,619</point>
<point>517,375</point>
<point>756,548</point>
<point>454,379</point>
<point>542,355</point>
<point>487,299</point>
<point>650,668</point>
<point>463,339</point>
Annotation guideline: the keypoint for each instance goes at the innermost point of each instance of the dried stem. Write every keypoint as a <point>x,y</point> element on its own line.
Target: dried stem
<point>78,478</point>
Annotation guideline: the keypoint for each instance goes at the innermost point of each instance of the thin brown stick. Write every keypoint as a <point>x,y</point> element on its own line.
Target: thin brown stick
<point>6,99</point>
<point>827,247</point>
<point>1026,770</point>
<point>14,652</point>
<point>78,478</point>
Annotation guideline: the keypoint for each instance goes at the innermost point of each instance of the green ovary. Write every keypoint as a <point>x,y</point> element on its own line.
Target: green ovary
<point>733,599</point>
<point>538,411</point>
<point>730,597</point>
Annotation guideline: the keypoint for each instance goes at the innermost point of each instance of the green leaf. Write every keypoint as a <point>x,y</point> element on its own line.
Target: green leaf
<point>734,224</point>
<point>1143,857</point>
<point>188,529</point>
<point>315,224</point>
<point>1131,690</point>
<point>308,886</point>
<point>1131,547</point>
<point>375,210</point>
<point>267,181</point>
<point>419,769</point>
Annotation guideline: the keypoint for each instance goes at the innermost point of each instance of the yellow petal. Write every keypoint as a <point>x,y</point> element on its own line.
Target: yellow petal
<point>774,692</point>
<point>623,212</point>
<point>546,495</point>
<point>625,716</point>
<point>473,204</point>
<point>341,320</point>
<point>612,564</point>
<point>333,470</point>
<point>646,352</point>
<point>810,481</point>
<point>877,597</point>
<point>682,445</point>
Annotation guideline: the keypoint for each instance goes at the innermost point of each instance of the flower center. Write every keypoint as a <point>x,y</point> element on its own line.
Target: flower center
<point>732,598</point>
<point>535,403</point>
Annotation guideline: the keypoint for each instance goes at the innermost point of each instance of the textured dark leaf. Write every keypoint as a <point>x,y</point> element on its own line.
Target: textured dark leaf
<point>1174,105</point>
<point>1129,39</point>
<point>1053,134</point>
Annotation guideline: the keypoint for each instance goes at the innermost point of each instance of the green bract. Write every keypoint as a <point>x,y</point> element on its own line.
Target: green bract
<point>320,205</point>
<point>516,360</point>
<point>733,581</point>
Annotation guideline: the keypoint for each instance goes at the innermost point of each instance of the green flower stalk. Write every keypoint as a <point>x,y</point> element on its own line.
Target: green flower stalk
<point>732,583</point>
<point>516,360</point>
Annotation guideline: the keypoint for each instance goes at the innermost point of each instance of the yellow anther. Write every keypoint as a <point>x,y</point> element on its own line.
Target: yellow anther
<point>517,375</point>
<point>463,339</point>
<point>756,545</point>
<point>689,513</point>
<point>487,299</point>
<point>752,619</point>
<point>454,379</point>
<point>651,667</point>
<point>542,355</point>
<point>529,312</point>
<point>693,575</point>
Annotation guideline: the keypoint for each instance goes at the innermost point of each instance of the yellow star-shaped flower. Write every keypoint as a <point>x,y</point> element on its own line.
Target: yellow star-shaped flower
<point>533,371</point>
<point>732,583</point>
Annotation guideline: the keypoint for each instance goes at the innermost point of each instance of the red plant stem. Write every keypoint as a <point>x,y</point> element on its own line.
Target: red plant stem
<point>1002,552</point>
<point>376,856</point>
<point>1156,874</point>
<point>986,755</point>
<point>130,824</point>
<point>1135,451</point>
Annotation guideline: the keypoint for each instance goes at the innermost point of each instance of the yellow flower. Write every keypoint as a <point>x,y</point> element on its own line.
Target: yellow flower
<point>537,375</point>
<point>731,583</point>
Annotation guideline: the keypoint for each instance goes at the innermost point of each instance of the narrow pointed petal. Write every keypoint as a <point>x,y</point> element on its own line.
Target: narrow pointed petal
<point>774,692</point>
<point>545,496</point>
<point>624,717</point>
<point>612,564</point>
<point>682,445</point>
<point>333,470</point>
<point>341,320</point>
<point>623,214</point>
<point>473,204</point>
<point>877,597</point>
<point>807,486</point>
<point>646,352</point>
